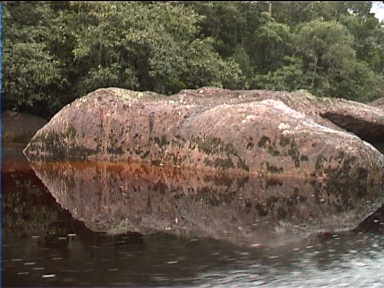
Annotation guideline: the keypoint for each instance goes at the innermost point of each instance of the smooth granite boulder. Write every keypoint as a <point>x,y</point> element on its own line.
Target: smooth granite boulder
<point>246,132</point>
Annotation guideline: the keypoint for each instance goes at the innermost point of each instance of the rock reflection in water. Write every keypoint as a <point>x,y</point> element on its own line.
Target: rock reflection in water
<point>117,198</point>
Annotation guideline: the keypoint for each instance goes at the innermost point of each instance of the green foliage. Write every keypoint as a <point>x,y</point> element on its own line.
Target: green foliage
<point>57,51</point>
<point>30,69</point>
<point>154,48</point>
<point>327,53</point>
<point>368,40</point>
<point>272,42</point>
<point>290,76</point>
<point>331,64</point>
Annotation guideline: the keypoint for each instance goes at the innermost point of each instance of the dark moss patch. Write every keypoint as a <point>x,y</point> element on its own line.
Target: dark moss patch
<point>273,182</point>
<point>70,132</point>
<point>242,164</point>
<point>141,152</point>
<point>179,138</point>
<point>241,181</point>
<point>264,141</point>
<point>273,151</point>
<point>53,144</point>
<point>261,210</point>
<point>155,162</point>
<point>220,163</point>
<point>284,140</point>
<point>272,168</point>
<point>225,153</point>
<point>250,144</point>
<point>115,150</point>
<point>144,155</point>
<point>294,153</point>
<point>161,141</point>
<point>151,121</point>
<point>282,212</point>
<point>320,162</point>
<point>213,145</point>
<point>304,158</point>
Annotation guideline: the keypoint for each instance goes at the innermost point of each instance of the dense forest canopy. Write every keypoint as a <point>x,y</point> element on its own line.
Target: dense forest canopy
<point>57,51</point>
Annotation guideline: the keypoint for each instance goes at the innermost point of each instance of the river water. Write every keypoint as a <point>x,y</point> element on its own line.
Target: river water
<point>44,245</point>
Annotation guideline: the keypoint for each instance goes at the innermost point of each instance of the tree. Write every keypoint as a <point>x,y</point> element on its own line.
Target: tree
<point>368,40</point>
<point>31,72</point>
<point>57,51</point>
<point>289,77</point>
<point>147,46</point>
<point>63,50</point>
<point>272,41</point>
<point>331,65</point>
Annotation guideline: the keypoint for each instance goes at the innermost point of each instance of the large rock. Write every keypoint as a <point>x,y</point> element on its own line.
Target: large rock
<point>251,132</point>
<point>234,134</point>
<point>270,211</point>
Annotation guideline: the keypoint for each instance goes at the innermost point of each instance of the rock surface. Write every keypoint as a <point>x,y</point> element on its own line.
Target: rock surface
<point>268,211</point>
<point>378,103</point>
<point>245,132</point>
<point>362,120</point>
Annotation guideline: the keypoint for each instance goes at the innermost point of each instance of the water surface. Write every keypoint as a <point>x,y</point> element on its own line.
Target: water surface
<point>44,245</point>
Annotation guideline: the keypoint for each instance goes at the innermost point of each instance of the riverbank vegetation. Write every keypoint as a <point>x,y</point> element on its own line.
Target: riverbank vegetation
<point>55,52</point>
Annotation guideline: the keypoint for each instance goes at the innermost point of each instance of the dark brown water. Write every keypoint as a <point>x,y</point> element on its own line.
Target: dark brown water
<point>43,245</point>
